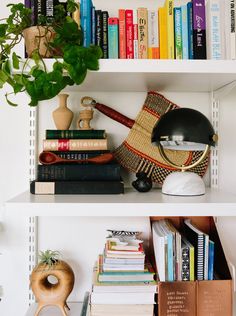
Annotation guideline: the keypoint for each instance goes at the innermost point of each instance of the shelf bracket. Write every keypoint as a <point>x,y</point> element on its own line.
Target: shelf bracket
<point>33,220</point>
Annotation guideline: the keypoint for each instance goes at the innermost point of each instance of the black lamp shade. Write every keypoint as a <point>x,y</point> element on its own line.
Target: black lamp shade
<point>186,125</point>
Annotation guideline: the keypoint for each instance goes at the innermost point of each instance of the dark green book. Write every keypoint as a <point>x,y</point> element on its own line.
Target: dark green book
<point>75,134</point>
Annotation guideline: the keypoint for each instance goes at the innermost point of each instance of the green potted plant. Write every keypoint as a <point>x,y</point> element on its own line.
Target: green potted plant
<point>61,36</point>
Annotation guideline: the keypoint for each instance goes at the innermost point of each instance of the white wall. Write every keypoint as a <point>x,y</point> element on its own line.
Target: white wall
<point>14,140</point>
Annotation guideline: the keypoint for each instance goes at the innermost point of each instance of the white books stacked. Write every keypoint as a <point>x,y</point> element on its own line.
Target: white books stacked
<point>123,282</point>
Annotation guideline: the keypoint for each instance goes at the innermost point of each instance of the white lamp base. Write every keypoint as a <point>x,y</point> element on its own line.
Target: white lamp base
<point>183,183</point>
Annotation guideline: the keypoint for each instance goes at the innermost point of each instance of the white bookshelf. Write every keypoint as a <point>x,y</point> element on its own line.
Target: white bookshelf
<point>131,203</point>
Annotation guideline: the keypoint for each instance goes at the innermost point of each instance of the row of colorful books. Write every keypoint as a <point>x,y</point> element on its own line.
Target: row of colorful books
<point>186,256</point>
<point>123,280</point>
<point>77,162</point>
<point>198,29</point>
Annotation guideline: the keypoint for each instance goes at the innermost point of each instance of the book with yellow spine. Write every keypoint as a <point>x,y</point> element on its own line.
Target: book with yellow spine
<point>162,19</point>
<point>169,7</point>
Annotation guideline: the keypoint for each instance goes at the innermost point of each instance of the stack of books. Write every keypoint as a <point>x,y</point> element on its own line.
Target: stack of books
<point>78,168</point>
<point>123,281</point>
<point>186,256</point>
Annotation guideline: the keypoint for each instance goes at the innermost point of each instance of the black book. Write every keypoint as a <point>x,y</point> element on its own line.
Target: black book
<point>78,154</point>
<point>78,172</point>
<point>98,14</point>
<point>105,34</point>
<point>77,187</point>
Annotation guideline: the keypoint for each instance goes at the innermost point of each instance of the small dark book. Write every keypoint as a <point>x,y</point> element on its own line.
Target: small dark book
<point>98,14</point>
<point>105,34</point>
<point>79,172</point>
<point>77,187</point>
<point>199,29</point>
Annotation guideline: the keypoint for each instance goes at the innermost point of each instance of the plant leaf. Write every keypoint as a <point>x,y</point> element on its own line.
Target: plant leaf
<point>9,102</point>
<point>15,61</point>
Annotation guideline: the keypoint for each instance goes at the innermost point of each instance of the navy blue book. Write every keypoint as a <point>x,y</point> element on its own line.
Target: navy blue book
<point>79,172</point>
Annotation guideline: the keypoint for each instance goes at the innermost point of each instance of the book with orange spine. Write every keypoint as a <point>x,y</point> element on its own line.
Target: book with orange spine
<point>122,34</point>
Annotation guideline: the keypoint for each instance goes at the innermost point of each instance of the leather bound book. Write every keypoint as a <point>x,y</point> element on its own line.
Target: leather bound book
<point>177,298</point>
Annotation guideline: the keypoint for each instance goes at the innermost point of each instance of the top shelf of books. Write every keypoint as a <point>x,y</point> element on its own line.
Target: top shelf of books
<point>145,75</point>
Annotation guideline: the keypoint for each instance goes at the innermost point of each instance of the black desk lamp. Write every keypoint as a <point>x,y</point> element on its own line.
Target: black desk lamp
<point>184,129</point>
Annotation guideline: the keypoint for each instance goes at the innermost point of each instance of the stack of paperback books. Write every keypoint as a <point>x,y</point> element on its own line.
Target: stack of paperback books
<point>77,162</point>
<point>123,281</point>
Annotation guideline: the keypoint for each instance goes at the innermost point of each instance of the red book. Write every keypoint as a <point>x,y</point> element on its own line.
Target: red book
<point>122,34</point>
<point>129,34</point>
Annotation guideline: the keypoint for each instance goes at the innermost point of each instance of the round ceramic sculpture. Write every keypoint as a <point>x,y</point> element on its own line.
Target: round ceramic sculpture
<point>62,116</point>
<point>47,293</point>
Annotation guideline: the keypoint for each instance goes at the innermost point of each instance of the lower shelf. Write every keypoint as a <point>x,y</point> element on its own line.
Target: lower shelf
<point>75,310</point>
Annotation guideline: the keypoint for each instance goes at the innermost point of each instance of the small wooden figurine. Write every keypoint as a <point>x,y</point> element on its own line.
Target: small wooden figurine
<point>85,116</point>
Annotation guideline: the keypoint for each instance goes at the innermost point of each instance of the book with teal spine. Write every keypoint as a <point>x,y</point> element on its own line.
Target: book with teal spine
<point>190,29</point>
<point>178,33</point>
<point>184,24</point>
<point>113,38</point>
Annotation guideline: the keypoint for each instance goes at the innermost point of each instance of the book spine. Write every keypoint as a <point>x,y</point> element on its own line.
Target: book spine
<point>178,33</point>
<point>185,264</point>
<point>86,21</point>
<point>184,31</point>
<point>122,34</point>
<point>190,29</point>
<point>142,33</point>
<point>169,6</point>
<point>93,25</point>
<point>77,187</point>
<point>78,155</point>
<point>105,34</point>
<point>191,263</point>
<point>199,29</point>
<point>113,50</point>
<point>153,35</point>
<point>49,8</point>
<point>99,28</point>
<point>213,32</point>
<point>74,144</point>
<point>170,257</point>
<point>211,260</point>
<point>135,31</point>
<point>79,172</point>
<point>163,32</point>
<point>75,134</point>
<point>129,34</point>
<point>232,30</point>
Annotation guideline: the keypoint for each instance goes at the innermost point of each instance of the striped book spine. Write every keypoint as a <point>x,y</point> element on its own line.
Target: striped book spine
<point>129,34</point>
<point>122,34</point>
<point>142,33</point>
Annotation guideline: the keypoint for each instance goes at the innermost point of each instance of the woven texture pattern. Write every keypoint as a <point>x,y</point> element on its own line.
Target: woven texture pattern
<point>138,154</point>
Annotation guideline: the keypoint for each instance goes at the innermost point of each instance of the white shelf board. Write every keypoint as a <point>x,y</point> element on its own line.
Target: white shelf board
<point>132,203</point>
<point>143,75</point>
<point>75,310</point>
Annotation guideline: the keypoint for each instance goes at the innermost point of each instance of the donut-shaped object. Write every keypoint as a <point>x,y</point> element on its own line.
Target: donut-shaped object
<point>57,293</point>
